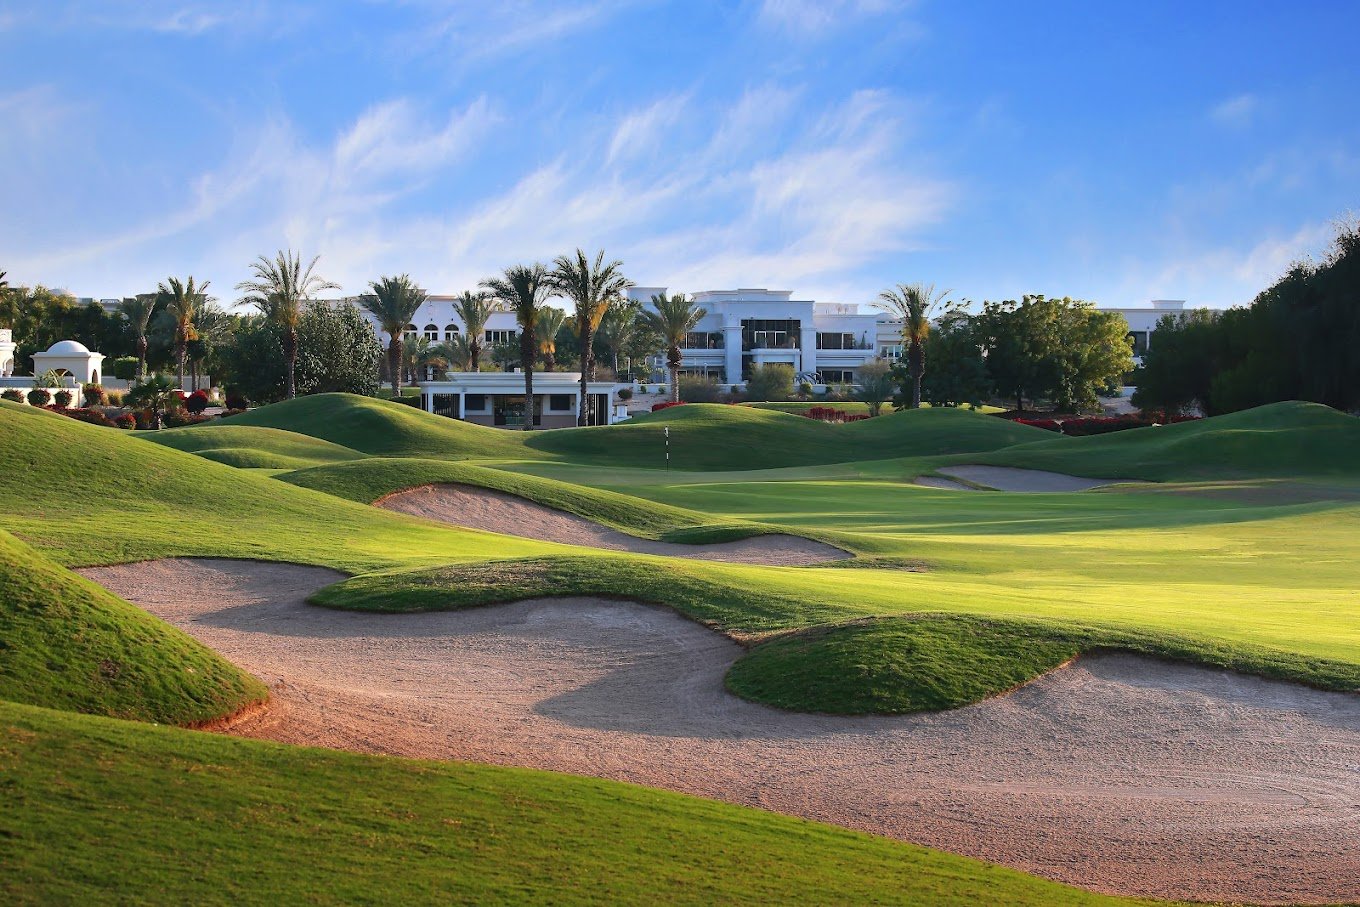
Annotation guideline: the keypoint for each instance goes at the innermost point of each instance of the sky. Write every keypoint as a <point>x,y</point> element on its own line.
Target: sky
<point>1116,152</point>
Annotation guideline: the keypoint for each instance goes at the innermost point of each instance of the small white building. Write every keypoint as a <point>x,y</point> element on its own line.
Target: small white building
<point>497,399</point>
<point>70,358</point>
<point>1143,321</point>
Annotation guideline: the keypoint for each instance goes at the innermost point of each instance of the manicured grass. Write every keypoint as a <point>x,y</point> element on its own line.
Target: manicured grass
<point>91,495</point>
<point>1291,440</point>
<point>247,446</point>
<point>98,810</point>
<point>702,436</point>
<point>368,480</point>
<point>67,643</point>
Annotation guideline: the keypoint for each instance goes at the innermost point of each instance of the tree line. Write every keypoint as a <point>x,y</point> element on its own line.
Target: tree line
<point>1298,340</point>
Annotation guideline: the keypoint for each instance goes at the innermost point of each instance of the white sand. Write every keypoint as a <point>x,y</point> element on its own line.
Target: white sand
<point>1117,773</point>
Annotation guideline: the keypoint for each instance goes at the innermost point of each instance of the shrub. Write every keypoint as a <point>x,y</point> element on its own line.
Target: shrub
<point>236,400</point>
<point>92,416</point>
<point>114,398</point>
<point>197,402</point>
<point>62,398</point>
<point>125,368</point>
<point>805,389</point>
<point>625,394</point>
<point>699,390</point>
<point>125,420</point>
<point>95,396</point>
<point>38,397</point>
<point>176,418</point>
<point>831,414</point>
<point>773,381</point>
<point>13,395</point>
<point>1045,424</point>
<point>657,407</point>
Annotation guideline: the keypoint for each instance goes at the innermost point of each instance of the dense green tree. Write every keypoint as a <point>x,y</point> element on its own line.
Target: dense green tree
<point>958,369</point>
<point>524,290</point>
<point>1182,358</point>
<point>591,286</point>
<point>670,318</point>
<point>280,290</point>
<point>770,381</point>
<point>337,352</point>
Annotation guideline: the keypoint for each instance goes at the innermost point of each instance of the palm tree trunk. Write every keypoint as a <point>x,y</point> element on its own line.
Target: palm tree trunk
<point>141,357</point>
<point>180,348</point>
<point>673,354</point>
<point>526,357</point>
<point>290,345</point>
<point>587,362</point>
<point>916,366</point>
<point>193,373</point>
<point>394,364</point>
<point>474,356</point>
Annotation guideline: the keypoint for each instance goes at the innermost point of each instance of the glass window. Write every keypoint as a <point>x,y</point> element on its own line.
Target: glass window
<point>474,403</point>
<point>450,331</point>
<point>431,332</point>
<point>495,337</point>
<point>1140,342</point>
<point>559,402</point>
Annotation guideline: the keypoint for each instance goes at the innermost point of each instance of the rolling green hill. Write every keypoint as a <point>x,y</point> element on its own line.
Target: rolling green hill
<point>247,446</point>
<point>67,643</point>
<point>1291,439</point>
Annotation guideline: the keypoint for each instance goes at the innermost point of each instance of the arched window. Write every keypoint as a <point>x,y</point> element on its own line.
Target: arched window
<point>431,333</point>
<point>450,331</point>
<point>410,332</point>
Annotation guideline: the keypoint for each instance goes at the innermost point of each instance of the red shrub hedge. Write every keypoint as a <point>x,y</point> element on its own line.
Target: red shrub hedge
<point>657,407</point>
<point>197,401</point>
<point>125,420</point>
<point>1045,424</point>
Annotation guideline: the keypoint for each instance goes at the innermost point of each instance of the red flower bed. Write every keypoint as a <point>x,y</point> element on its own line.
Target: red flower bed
<point>831,414</point>
<point>657,407</point>
<point>126,420</point>
<point>196,402</point>
<point>92,416</point>
<point>1045,424</point>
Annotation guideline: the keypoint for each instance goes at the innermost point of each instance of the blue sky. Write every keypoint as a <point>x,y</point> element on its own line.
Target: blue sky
<point>1111,151</point>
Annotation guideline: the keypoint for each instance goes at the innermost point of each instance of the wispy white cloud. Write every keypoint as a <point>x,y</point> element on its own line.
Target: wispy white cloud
<point>809,17</point>
<point>1235,111</point>
<point>641,131</point>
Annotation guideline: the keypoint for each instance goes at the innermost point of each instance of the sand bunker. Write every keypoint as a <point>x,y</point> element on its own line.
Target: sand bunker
<point>494,511</point>
<point>1117,773</point>
<point>1004,478</point>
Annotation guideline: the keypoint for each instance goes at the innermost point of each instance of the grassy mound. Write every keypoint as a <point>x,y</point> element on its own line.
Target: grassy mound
<point>1282,439</point>
<point>719,437</point>
<point>97,809</point>
<point>371,479</point>
<point>381,428</point>
<point>248,446</point>
<point>892,666</point>
<point>67,643</point>
<point>92,495</point>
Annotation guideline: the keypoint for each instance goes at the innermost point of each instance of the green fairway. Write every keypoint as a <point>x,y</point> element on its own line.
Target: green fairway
<point>99,810</point>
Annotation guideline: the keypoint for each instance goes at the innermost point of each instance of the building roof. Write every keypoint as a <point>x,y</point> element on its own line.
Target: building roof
<point>68,348</point>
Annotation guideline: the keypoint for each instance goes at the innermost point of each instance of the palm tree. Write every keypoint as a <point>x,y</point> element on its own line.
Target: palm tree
<point>913,304</point>
<point>524,289</point>
<point>673,317</point>
<point>182,301</point>
<point>416,354</point>
<point>394,302</point>
<point>278,290</point>
<point>619,329</point>
<point>591,286</point>
<point>550,321</point>
<point>137,310</point>
<point>475,310</point>
<point>453,353</point>
<point>213,326</point>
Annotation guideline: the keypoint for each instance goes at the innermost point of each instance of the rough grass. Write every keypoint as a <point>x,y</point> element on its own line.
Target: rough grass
<point>98,810</point>
<point>67,643</point>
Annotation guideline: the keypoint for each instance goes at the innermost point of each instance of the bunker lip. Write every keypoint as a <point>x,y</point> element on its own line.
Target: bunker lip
<point>493,511</point>
<point>1118,773</point>
<point>1007,478</point>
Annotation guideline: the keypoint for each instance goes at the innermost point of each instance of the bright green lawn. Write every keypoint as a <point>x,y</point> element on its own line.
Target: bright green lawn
<point>101,811</point>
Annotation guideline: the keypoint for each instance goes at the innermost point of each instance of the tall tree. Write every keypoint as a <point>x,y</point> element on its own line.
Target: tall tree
<point>524,289</point>
<point>475,310</point>
<point>672,317</point>
<point>138,310</point>
<point>550,321</point>
<point>591,286</point>
<point>620,328</point>
<point>394,301</point>
<point>183,299</point>
<point>455,353</point>
<point>913,304</point>
<point>279,290</point>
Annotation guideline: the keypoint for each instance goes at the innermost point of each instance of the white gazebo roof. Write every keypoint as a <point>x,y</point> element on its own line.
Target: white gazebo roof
<point>69,348</point>
<point>72,357</point>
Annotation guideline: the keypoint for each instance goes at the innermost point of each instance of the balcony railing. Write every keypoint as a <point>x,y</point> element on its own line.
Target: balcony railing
<point>771,345</point>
